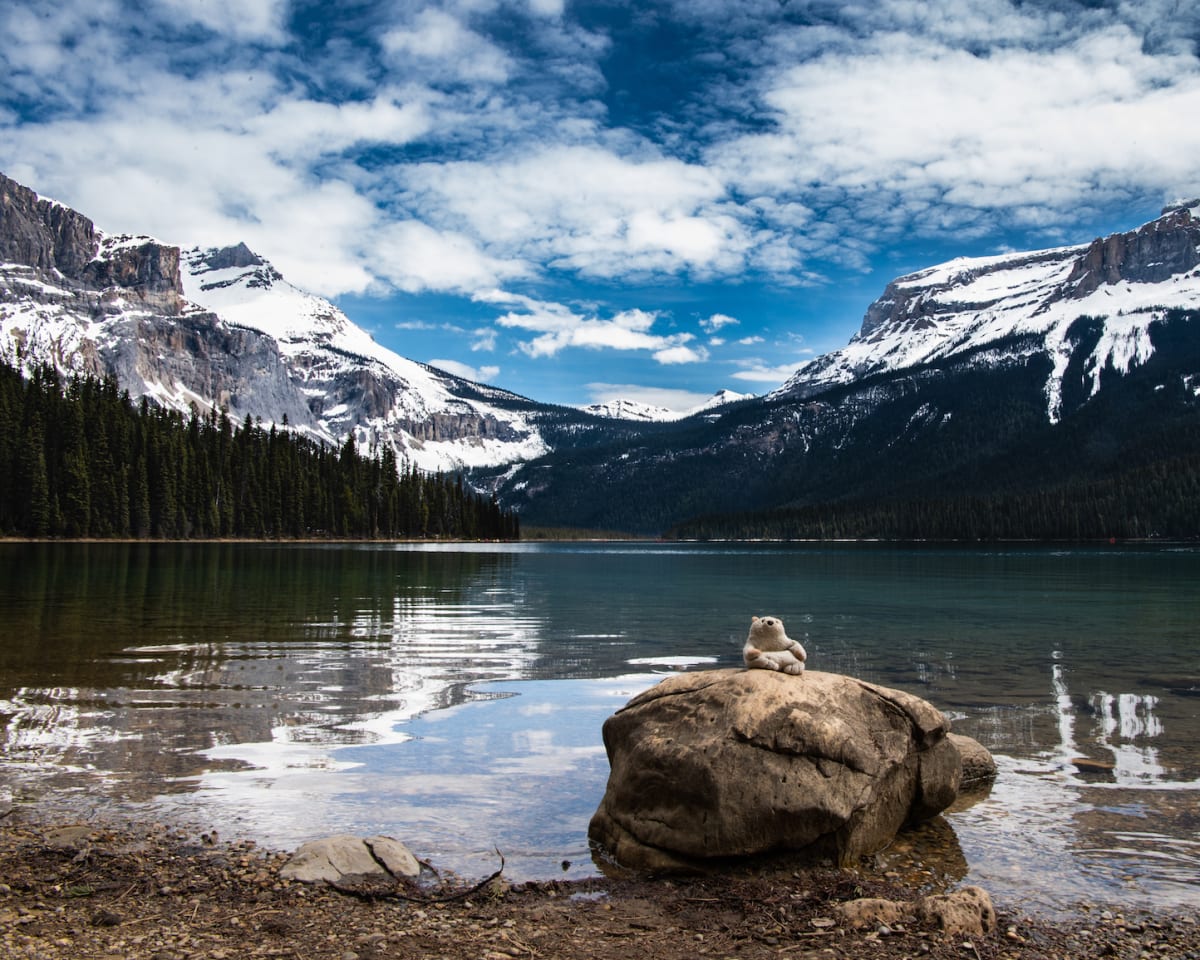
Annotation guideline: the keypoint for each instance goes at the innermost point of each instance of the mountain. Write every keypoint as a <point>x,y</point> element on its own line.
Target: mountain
<point>621,409</point>
<point>221,327</point>
<point>1055,392</point>
<point>1051,393</point>
<point>961,307</point>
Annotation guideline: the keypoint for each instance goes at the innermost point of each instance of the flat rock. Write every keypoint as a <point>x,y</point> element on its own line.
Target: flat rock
<point>333,858</point>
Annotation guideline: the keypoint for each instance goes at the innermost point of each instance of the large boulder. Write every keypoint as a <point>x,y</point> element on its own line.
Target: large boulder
<point>736,763</point>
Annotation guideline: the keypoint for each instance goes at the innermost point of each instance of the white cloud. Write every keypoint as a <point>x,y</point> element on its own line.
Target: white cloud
<point>416,258</point>
<point>760,372</point>
<point>485,340</point>
<point>261,20</point>
<point>466,372</point>
<point>439,41</point>
<point>295,129</point>
<point>717,322</point>
<point>915,130</point>
<point>426,325</point>
<point>561,327</point>
<point>547,8</point>
<point>587,209</point>
<point>681,354</point>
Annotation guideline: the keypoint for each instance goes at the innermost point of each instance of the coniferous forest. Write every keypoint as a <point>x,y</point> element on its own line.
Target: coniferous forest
<point>79,458</point>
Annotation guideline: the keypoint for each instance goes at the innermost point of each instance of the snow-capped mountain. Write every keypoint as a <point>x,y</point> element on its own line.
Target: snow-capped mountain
<point>621,409</point>
<point>1059,386</point>
<point>222,328</point>
<point>1046,371</point>
<point>352,383</point>
<point>1128,279</point>
<point>719,399</point>
<point>635,410</point>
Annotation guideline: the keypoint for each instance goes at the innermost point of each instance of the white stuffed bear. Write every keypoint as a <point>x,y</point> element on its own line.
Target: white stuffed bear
<point>770,648</point>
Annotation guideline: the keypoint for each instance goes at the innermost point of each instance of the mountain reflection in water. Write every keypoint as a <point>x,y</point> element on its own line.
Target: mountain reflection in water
<point>453,695</point>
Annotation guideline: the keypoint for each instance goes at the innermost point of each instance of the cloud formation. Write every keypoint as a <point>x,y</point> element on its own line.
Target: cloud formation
<point>558,327</point>
<point>463,147</point>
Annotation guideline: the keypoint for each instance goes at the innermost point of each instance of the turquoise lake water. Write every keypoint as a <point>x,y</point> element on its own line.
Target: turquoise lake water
<point>452,695</point>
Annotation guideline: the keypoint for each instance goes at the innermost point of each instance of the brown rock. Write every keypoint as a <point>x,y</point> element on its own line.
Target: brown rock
<point>978,765</point>
<point>965,912</point>
<point>734,763</point>
<point>872,911</point>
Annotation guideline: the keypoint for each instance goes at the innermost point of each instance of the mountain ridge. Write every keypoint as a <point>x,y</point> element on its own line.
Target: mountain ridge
<point>624,409</point>
<point>222,328</point>
<point>975,378</point>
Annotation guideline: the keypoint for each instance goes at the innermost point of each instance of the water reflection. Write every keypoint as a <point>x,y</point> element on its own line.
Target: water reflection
<point>454,696</point>
<point>1078,809</point>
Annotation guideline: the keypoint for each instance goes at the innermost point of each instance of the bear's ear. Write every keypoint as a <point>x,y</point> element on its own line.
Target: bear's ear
<point>753,619</point>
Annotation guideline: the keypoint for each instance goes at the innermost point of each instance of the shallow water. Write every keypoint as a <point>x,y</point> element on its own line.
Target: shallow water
<point>453,695</point>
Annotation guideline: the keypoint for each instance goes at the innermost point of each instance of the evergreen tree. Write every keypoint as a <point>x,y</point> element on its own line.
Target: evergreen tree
<point>83,460</point>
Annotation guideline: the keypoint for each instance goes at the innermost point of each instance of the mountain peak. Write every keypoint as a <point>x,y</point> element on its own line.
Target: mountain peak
<point>623,409</point>
<point>1192,206</point>
<point>223,258</point>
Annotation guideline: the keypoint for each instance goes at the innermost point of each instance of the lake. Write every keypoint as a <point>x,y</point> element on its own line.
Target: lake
<point>452,695</point>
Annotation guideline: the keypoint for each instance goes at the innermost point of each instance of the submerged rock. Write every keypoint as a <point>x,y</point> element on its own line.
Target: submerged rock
<point>736,763</point>
<point>978,765</point>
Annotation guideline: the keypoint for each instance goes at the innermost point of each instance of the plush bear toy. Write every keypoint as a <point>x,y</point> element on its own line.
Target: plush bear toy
<point>769,648</point>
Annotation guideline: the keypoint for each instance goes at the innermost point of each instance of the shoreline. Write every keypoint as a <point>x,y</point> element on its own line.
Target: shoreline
<point>158,892</point>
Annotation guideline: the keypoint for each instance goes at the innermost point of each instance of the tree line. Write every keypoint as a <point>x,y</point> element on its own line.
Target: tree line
<point>79,458</point>
<point>1157,501</point>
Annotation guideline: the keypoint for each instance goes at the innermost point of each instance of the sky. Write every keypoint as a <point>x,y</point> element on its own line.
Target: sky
<point>577,201</point>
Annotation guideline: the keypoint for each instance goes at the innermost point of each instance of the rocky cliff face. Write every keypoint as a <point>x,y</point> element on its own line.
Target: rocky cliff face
<point>222,328</point>
<point>1158,251</point>
<point>42,234</point>
<point>48,237</point>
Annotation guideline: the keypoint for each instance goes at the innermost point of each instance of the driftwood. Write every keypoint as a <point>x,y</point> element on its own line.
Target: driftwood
<point>405,888</point>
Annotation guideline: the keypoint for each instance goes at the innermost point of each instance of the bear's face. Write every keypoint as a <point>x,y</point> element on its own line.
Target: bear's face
<point>767,629</point>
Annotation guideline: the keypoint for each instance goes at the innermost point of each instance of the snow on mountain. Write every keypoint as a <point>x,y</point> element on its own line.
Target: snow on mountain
<point>221,328</point>
<point>621,409</point>
<point>322,344</point>
<point>719,399</point>
<point>1127,279</point>
<point>636,410</point>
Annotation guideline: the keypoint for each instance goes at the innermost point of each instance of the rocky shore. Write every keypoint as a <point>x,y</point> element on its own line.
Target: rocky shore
<point>87,891</point>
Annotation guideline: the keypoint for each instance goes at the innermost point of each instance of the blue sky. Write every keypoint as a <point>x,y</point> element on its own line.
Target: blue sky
<point>578,201</point>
